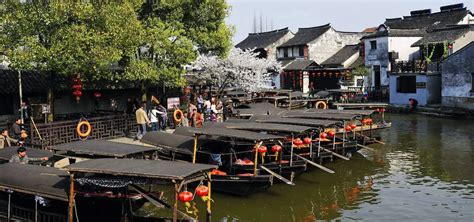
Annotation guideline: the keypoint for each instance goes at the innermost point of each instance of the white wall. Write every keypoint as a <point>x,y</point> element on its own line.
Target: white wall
<point>402,45</point>
<point>379,56</point>
<point>463,41</point>
<point>271,49</point>
<point>402,98</point>
<point>329,43</point>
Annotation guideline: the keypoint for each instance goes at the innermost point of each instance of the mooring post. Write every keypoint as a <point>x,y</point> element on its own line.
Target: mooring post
<point>71,198</point>
<point>195,147</point>
<point>175,208</point>
<point>209,212</point>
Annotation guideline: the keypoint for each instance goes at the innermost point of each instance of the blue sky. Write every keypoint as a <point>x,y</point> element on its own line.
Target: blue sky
<point>344,15</point>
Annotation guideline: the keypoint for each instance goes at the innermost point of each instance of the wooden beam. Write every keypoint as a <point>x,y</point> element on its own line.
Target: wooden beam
<point>335,154</point>
<point>278,176</point>
<point>71,199</point>
<point>315,164</point>
<point>366,147</point>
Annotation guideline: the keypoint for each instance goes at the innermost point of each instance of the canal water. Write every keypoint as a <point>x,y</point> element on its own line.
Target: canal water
<point>424,172</point>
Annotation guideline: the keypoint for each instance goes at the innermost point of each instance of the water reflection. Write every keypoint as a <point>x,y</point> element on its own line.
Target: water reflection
<point>424,172</point>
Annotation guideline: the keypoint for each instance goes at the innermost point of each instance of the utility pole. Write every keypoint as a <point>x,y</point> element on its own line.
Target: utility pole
<point>254,22</point>
<point>261,22</point>
<point>266,24</point>
<point>271,24</point>
<point>21,96</point>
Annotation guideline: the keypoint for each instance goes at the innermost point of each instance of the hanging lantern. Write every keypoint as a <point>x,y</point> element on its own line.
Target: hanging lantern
<point>97,95</point>
<point>77,88</point>
<point>323,135</point>
<point>382,110</point>
<point>324,74</point>
<point>331,133</point>
<point>319,74</point>
<point>450,45</point>
<point>262,149</point>
<point>298,142</point>
<point>307,140</point>
<point>348,128</point>
<point>185,196</point>
<point>77,93</point>
<point>353,126</point>
<point>276,148</point>
<point>202,191</point>
<point>369,121</point>
<point>330,74</point>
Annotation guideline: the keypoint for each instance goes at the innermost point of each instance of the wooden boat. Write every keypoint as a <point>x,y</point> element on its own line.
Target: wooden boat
<point>238,180</point>
<point>94,190</point>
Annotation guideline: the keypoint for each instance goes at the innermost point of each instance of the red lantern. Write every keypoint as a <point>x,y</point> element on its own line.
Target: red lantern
<point>97,95</point>
<point>331,133</point>
<point>323,135</point>
<point>77,93</point>
<point>382,110</point>
<point>202,191</point>
<point>276,148</point>
<point>262,149</point>
<point>353,126</point>
<point>76,87</point>
<point>348,128</point>
<point>364,121</point>
<point>450,45</point>
<point>298,142</point>
<point>307,140</point>
<point>185,196</point>
<point>369,121</point>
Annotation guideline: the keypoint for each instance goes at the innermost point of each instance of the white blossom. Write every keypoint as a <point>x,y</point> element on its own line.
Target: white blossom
<point>242,69</point>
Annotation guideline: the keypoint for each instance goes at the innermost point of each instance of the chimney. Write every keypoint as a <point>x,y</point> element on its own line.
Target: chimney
<point>420,12</point>
<point>448,8</point>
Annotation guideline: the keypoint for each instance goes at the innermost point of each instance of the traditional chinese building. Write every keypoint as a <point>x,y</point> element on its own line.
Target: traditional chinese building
<point>265,43</point>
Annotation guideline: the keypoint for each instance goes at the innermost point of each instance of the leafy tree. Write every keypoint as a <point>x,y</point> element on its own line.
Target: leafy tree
<point>240,69</point>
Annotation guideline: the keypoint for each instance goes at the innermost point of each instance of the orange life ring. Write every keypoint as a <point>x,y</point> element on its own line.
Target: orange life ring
<point>88,131</point>
<point>175,115</point>
<point>324,105</point>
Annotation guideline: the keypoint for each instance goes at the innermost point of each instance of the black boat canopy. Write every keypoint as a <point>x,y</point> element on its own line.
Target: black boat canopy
<point>332,116</point>
<point>42,181</point>
<point>347,111</point>
<point>176,142</point>
<point>271,127</point>
<point>102,148</point>
<point>233,133</point>
<point>7,152</point>
<point>294,121</point>
<point>157,169</point>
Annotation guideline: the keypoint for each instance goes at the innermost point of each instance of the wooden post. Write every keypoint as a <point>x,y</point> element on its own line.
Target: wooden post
<point>256,159</point>
<point>334,138</point>
<point>311,146</point>
<point>289,105</point>
<point>9,206</point>
<point>209,212</point>
<point>195,147</point>
<point>71,198</point>
<point>343,134</point>
<point>291,152</point>
<point>175,208</point>
<point>36,210</point>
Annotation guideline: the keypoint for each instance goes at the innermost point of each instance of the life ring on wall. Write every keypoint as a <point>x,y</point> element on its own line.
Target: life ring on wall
<point>321,105</point>
<point>175,115</point>
<point>87,132</point>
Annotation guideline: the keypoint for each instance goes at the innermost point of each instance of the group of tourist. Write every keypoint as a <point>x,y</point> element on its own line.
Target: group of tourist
<point>16,139</point>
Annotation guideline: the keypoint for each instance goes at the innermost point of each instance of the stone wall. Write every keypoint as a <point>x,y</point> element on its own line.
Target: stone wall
<point>457,79</point>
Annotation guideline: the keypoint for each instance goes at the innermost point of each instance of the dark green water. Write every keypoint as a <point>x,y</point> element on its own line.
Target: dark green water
<point>424,172</point>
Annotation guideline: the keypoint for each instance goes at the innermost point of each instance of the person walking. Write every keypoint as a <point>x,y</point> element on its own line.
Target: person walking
<point>142,120</point>
<point>153,115</point>
<point>191,111</point>
<point>22,158</point>
<point>163,117</point>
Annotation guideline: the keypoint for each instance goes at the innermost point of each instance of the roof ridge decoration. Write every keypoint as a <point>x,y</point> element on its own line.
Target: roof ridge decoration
<point>269,32</point>
<point>319,26</point>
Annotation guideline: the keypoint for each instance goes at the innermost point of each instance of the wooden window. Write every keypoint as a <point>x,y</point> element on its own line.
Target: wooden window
<point>301,49</point>
<point>406,84</point>
<point>285,52</point>
<point>373,44</point>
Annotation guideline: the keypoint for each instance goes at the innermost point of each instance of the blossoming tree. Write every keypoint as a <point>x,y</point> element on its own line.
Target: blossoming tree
<point>242,68</point>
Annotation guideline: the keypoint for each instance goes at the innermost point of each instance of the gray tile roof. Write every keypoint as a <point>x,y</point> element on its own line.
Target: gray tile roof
<point>397,33</point>
<point>300,64</point>
<point>449,34</point>
<point>341,56</point>
<point>428,22</point>
<point>262,39</point>
<point>306,35</point>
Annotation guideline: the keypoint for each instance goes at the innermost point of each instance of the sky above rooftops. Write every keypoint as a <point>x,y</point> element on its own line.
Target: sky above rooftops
<point>344,15</point>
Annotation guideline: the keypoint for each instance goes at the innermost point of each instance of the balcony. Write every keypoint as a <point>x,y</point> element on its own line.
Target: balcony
<point>415,66</point>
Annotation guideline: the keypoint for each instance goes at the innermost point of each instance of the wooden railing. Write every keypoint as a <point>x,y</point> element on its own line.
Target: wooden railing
<point>60,132</point>
<point>24,214</point>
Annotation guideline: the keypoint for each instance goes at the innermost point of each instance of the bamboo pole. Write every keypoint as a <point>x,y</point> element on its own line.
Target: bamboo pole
<point>195,147</point>
<point>175,208</point>
<point>71,198</point>
<point>209,212</point>
<point>257,145</point>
